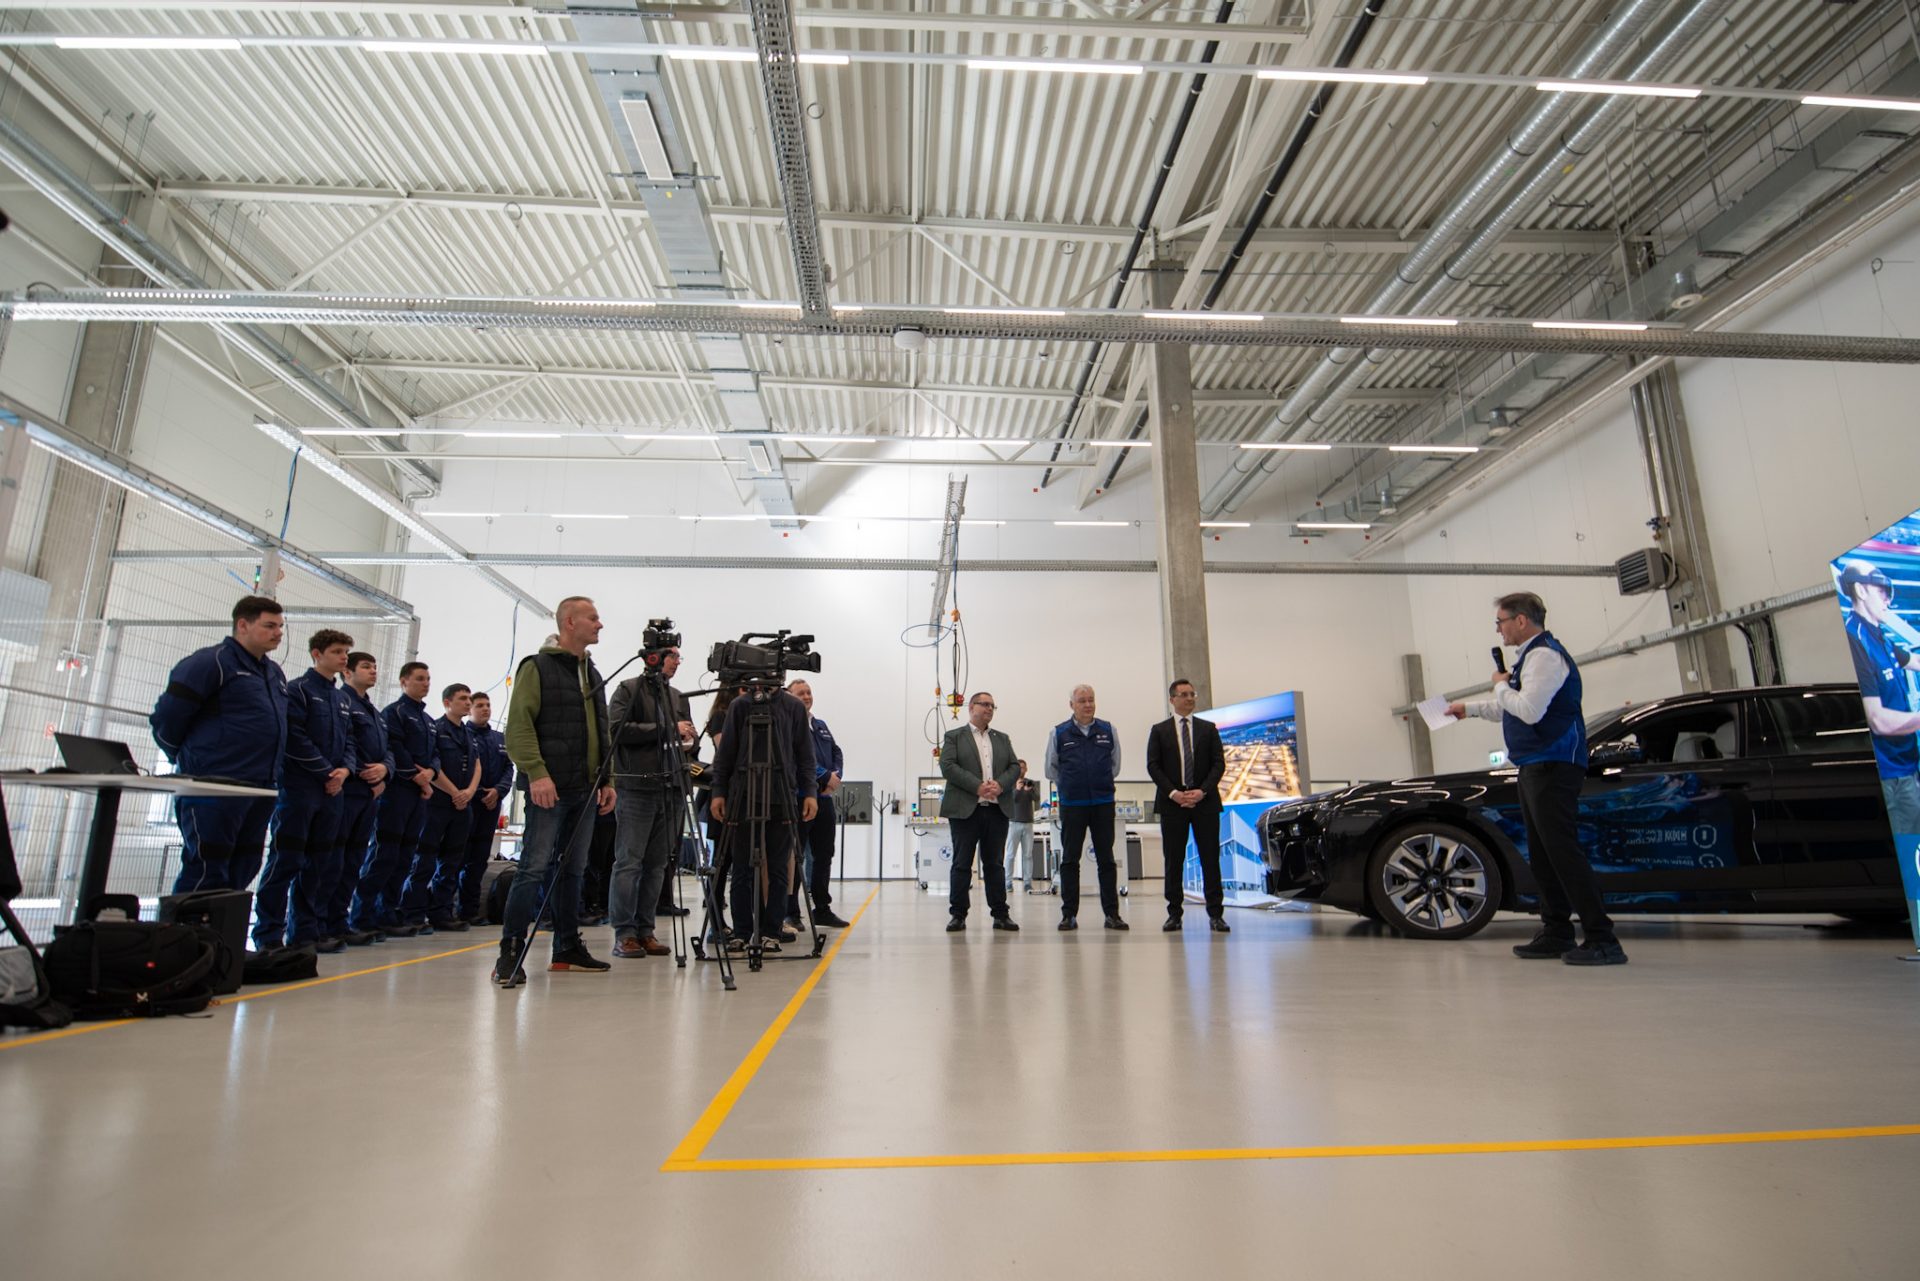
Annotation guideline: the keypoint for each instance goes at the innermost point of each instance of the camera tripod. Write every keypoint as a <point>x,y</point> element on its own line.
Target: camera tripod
<point>675,774</point>
<point>765,799</point>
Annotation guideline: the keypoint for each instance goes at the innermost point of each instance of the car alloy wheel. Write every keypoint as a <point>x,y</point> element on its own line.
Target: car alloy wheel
<point>1434,881</point>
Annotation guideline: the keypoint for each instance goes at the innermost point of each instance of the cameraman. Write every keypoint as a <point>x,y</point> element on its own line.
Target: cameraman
<point>648,807</point>
<point>730,806</point>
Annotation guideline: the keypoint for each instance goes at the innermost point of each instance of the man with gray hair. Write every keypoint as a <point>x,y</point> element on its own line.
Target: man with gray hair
<point>1083,760</point>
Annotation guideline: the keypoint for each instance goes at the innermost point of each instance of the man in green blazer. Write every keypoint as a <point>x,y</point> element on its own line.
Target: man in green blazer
<point>980,768</point>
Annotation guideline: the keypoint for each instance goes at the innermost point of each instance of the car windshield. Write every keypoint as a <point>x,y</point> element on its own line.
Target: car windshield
<point>1598,726</point>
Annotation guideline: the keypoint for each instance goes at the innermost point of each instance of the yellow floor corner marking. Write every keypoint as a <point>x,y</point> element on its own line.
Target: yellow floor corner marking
<point>687,1154</point>
<point>14,1043</point>
<point>1005,1159</point>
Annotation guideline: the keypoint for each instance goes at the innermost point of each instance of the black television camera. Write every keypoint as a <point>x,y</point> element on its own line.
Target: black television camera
<point>659,638</point>
<point>748,662</point>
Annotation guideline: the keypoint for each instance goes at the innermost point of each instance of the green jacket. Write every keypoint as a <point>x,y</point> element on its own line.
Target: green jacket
<point>960,766</point>
<point>523,740</point>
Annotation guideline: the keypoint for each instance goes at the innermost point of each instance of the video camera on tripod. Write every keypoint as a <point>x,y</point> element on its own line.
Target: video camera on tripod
<point>658,639</point>
<point>750,662</point>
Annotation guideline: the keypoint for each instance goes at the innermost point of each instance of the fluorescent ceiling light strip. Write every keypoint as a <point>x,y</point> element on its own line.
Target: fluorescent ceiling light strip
<point>1433,449</point>
<point>715,55</point>
<point>1001,311</point>
<point>586,516</point>
<point>1340,77</point>
<point>332,466</point>
<point>1611,326</point>
<point>1118,444</point>
<point>509,48</point>
<point>221,43</point>
<point>746,305</point>
<point>848,308</point>
<point>993,523</point>
<point>1226,524</point>
<point>1435,322</point>
<point>1330,524</point>
<point>1867,104</point>
<point>1287,444</point>
<point>748,517</point>
<point>829,440</point>
<point>824,59</point>
<point>1203,315</point>
<point>1056,64</point>
<point>1618,90</point>
<point>472,515</point>
<point>1093,524</point>
<point>354,431</point>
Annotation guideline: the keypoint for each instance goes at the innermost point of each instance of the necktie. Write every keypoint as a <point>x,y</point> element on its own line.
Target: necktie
<point>1186,752</point>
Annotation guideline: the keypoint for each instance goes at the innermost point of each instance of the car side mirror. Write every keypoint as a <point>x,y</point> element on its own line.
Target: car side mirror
<point>1625,751</point>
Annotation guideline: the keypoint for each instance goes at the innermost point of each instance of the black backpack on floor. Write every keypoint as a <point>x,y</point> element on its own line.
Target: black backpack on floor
<point>131,969</point>
<point>26,996</point>
<point>288,964</point>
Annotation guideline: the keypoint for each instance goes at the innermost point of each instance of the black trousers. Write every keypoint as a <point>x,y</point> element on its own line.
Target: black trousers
<point>1549,802</point>
<point>983,832</point>
<point>1077,822</point>
<point>780,851</point>
<point>816,847</point>
<point>1203,821</point>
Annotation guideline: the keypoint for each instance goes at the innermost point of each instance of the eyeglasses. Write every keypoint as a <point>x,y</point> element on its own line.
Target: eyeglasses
<point>988,706</point>
<point>1498,621</point>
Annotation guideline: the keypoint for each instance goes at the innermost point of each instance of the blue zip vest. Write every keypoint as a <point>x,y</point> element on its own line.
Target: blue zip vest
<point>1561,734</point>
<point>1084,762</point>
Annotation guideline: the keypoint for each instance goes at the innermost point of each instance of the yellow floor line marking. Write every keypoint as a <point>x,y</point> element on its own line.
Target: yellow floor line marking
<point>696,1140</point>
<point>1293,1154</point>
<point>12,1043</point>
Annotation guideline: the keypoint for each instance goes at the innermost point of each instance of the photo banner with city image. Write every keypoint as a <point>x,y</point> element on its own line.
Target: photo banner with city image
<point>1266,751</point>
<point>1879,587</point>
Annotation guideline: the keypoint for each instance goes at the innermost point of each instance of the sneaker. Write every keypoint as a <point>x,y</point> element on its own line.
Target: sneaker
<point>1115,923</point>
<point>955,924</point>
<point>505,972</point>
<point>1606,952</point>
<point>578,958</point>
<point>1543,947</point>
<point>1005,923</point>
<point>449,925</point>
<point>827,920</point>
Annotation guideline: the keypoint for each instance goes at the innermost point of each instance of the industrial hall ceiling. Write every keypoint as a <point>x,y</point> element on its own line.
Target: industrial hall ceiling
<point>956,220</point>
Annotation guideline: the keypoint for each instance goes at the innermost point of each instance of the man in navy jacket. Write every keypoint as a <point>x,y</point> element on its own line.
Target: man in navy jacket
<point>435,878</point>
<point>298,884</point>
<point>817,836</point>
<point>496,784</point>
<point>224,715</point>
<point>362,795</point>
<point>403,806</point>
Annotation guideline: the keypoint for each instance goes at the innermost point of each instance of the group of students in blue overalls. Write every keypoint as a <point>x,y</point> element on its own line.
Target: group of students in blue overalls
<point>384,818</point>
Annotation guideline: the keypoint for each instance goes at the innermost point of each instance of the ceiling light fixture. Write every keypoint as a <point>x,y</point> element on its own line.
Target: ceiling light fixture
<point>1617,89</point>
<point>222,44</point>
<point>1056,64</point>
<point>831,440</point>
<point>353,431</point>
<point>1093,524</point>
<point>715,55</point>
<point>1287,444</point>
<point>1340,77</point>
<point>1433,322</point>
<point>1869,104</point>
<point>1330,524</point>
<point>586,516</point>
<point>705,518</point>
<point>1433,449</point>
<point>507,48</point>
<point>1002,311</point>
<point>1118,444</point>
<point>824,60</point>
<point>333,467</point>
<point>994,523</point>
<point>654,161</point>
<point>473,515</point>
<point>1203,315</point>
<point>1607,326</point>
<point>1226,524</point>
<point>750,305</point>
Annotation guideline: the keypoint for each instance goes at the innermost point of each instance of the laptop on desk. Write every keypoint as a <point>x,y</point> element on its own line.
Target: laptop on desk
<point>85,755</point>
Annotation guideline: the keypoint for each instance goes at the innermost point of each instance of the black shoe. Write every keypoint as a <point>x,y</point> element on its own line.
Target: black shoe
<point>506,973</point>
<point>1544,947</point>
<point>1172,925</point>
<point>1005,923</point>
<point>1068,923</point>
<point>1115,923</point>
<point>672,909</point>
<point>578,958</point>
<point>829,921</point>
<point>1218,924</point>
<point>955,924</point>
<point>399,930</point>
<point>422,928</point>
<point>360,938</point>
<point>449,925</point>
<point>787,936</point>
<point>793,923</point>
<point>1605,952</point>
<point>330,944</point>
<point>588,921</point>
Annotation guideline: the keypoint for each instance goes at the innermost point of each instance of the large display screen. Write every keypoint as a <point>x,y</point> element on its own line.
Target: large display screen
<point>1879,586</point>
<point>1266,750</point>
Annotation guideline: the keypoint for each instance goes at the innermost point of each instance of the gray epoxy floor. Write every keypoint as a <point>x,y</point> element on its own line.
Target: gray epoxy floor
<point>417,1122</point>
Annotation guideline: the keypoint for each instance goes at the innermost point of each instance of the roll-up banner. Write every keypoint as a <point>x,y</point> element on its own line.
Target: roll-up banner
<point>1879,586</point>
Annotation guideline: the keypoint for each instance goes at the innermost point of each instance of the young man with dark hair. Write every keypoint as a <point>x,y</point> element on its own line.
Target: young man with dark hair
<point>434,882</point>
<point>403,806</point>
<point>557,734</point>
<point>496,784</point>
<point>360,797</point>
<point>297,888</point>
<point>224,714</point>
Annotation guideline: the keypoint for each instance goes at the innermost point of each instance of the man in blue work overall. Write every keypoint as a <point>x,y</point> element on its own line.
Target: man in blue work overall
<point>496,784</point>
<point>223,714</point>
<point>403,806</point>
<point>360,797</point>
<point>298,883</point>
<point>434,882</point>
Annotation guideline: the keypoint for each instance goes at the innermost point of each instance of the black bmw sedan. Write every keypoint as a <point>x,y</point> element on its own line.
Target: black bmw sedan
<point>1752,800</point>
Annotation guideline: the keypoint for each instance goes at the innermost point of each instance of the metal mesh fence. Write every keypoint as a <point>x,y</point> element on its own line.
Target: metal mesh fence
<point>87,642</point>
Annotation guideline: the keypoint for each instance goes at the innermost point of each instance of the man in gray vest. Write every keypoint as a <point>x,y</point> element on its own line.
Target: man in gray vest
<point>980,768</point>
<point>557,736</point>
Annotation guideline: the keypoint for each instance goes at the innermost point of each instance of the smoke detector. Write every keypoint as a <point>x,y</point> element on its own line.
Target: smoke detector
<point>1686,290</point>
<point>907,338</point>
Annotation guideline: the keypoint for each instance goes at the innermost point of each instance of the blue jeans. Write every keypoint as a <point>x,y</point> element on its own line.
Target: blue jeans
<point>570,818</point>
<point>642,848</point>
<point>1020,850</point>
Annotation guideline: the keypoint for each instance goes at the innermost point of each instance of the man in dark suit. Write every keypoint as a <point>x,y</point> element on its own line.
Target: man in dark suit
<point>980,768</point>
<point>1185,762</point>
